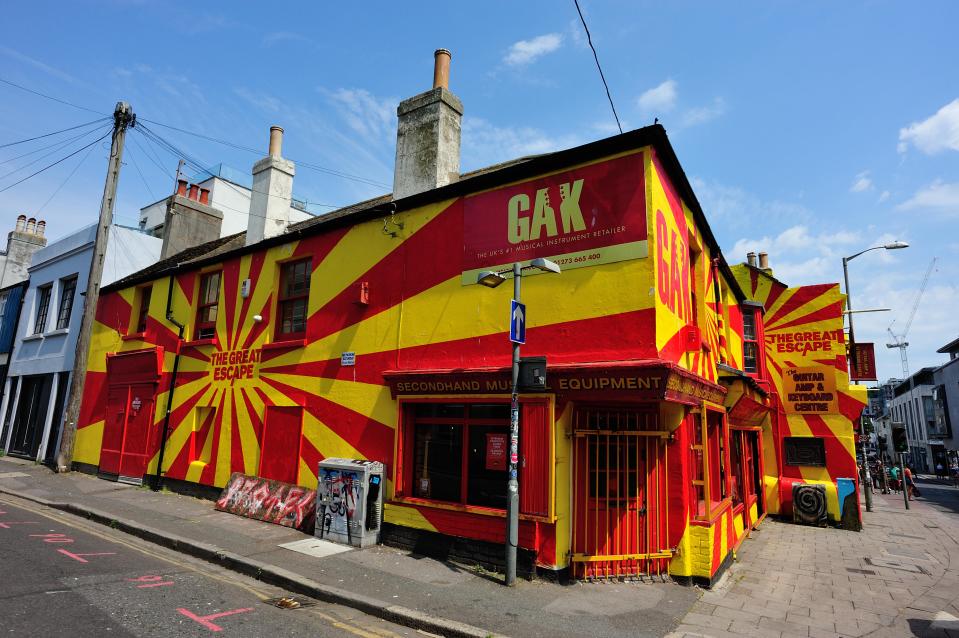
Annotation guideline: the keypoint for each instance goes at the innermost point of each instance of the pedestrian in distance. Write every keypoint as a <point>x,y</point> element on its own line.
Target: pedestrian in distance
<point>910,486</point>
<point>939,471</point>
<point>894,478</point>
<point>954,470</point>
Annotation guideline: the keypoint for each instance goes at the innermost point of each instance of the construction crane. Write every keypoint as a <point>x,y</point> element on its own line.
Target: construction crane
<point>899,341</point>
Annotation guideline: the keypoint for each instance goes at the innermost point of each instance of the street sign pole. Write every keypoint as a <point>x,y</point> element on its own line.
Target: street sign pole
<point>512,485</point>
<point>902,476</point>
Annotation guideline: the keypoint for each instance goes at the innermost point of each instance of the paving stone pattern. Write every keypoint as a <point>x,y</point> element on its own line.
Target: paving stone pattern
<point>898,577</point>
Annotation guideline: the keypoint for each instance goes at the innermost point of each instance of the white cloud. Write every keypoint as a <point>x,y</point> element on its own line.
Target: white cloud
<point>935,134</point>
<point>883,196</point>
<point>939,195</point>
<point>527,51</point>
<point>373,118</point>
<point>703,114</point>
<point>485,143</point>
<point>799,256</point>
<point>46,68</point>
<point>278,37</point>
<point>735,207</point>
<point>862,183</point>
<point>659,99</point>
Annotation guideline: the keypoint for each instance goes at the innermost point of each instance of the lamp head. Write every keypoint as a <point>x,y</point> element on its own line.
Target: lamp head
<point>545,265</point>
<point>894,245</point>
<point>490,279</point>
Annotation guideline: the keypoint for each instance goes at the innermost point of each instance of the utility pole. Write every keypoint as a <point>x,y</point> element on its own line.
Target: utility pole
<point>123,118</point>
<point>512,484</point>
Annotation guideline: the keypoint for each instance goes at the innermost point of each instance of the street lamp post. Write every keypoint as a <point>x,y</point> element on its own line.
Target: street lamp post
<point>852,348</point>
<point>492,279</point>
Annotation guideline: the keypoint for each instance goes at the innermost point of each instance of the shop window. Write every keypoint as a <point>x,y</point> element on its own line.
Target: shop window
<point>68,289</point>
<point>207,304</point>
<point>805,451</point>
<point>460,453</point>
<point>750,342</point>
<point>710,463</point>
<point>694,277</point>
<point>143,309</point>
<point>43,308</point>
<point>293,299</point>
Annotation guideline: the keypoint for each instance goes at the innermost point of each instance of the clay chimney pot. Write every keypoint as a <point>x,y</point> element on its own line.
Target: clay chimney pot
<point>441,68</point>
<point>276,141</point>
<point>181,187</point>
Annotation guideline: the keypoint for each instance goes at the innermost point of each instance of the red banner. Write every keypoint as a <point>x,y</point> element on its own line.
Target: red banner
<point>863,363</point>
<point>587,216</point>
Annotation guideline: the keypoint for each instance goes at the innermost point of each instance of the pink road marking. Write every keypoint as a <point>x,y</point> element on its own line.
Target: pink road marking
<point>76,557</point>
<point>152,580</point>
<point>9,523</point>
<point>53,538</point>
<point>205,620</point>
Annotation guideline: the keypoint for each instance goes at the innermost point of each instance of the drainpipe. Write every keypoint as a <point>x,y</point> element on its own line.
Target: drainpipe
<point>158,479</point>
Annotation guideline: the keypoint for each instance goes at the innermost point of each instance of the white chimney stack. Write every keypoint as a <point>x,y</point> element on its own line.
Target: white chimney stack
<point>272,192</point>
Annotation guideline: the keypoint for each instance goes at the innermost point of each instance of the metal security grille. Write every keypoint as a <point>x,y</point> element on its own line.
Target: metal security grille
<point>620,505</point>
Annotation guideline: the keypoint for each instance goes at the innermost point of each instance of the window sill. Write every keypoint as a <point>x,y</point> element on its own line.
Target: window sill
<point>33,337</point>
<point>718,511</point>
<point>201,342</point>
<point>59,331</point>
<point>136,336</point>
<point>288,344</point>
<point>454,507</point>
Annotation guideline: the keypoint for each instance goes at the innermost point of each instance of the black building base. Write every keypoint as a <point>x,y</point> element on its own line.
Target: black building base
<point>484,554</point>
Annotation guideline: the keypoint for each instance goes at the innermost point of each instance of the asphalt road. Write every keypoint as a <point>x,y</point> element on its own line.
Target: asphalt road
<point>63,576</point>
<point>940,494</point>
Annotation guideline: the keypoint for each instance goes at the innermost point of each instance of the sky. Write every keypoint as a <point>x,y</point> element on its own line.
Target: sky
<point>809,130</point>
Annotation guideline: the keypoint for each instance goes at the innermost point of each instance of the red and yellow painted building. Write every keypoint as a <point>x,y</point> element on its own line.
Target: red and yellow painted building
<point>363,334</point>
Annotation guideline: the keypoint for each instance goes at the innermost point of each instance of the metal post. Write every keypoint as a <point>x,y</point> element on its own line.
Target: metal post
<point>852,353</point>
<point>512,485</point>
<point>123,118</point>
<point>902,473</point>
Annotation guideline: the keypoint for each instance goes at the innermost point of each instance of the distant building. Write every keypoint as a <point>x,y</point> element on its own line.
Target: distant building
<point>913,406</point>
<point>49,322</point>
<point>946,398</point>
<point>223,188</point>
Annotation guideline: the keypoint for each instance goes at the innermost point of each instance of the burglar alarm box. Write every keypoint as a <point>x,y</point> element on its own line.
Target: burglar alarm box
<point>532,373</point>
<point>692,338</point>
<point>349,501</point>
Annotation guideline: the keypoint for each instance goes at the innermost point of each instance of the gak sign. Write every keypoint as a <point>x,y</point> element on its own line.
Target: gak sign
<point>594,214</point>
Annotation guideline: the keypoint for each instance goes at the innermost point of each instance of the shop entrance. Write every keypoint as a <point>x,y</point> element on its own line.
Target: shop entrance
<point>620,506</point>
<point>129,438</point>
<point>746,484</point>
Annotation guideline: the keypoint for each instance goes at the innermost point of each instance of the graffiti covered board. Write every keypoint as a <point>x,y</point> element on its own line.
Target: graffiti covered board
<point>271,501</point>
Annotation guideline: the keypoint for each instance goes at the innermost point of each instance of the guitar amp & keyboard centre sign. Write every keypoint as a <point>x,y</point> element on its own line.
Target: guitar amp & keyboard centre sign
<point>586,216</point>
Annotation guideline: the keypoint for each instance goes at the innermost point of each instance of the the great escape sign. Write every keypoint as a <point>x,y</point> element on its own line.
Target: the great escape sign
<point>810,390</point>
<point>234,365</point>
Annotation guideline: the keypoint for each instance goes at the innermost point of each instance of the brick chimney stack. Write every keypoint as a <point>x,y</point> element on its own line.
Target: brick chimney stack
<point>428,135</point>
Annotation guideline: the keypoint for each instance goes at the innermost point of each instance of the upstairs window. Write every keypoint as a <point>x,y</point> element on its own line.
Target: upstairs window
<point>750,344</point>
<point>68,290</point>
<point>43,308</point>
<point>145,294</point>
<point>293,299</point>
<point>207,306</point>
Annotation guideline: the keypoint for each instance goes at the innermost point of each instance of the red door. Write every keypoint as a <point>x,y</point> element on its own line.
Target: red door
<point>280,452</point>
<point>129,438</point>
<point>136,433</point>
<point>111,448</point>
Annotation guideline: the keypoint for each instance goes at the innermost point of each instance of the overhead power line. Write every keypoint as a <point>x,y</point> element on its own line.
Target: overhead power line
<point>38,137</point>
<point>50,97</point>
<point>315,167</point>
<point>68,178</point>
<point>58,146</point>
<point>51,165</point>
<point>589,39</point>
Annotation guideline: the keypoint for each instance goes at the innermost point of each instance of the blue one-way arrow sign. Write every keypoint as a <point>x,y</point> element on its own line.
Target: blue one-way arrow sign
<point>517,322</point>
